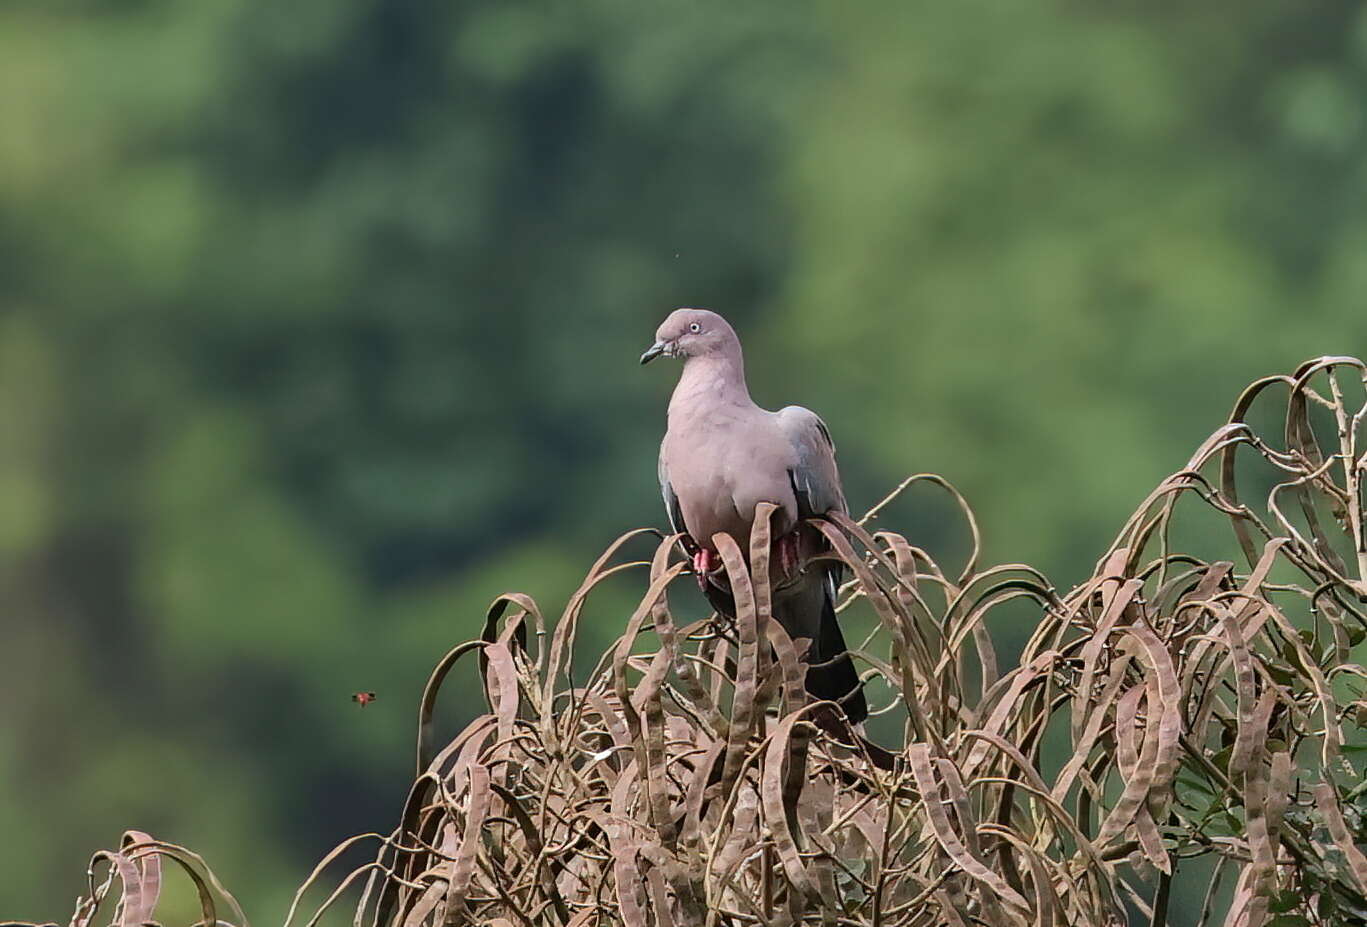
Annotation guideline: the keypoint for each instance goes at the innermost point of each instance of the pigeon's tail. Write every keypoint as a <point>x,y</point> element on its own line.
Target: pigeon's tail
<point>831,674</point>
<point>809,611</point>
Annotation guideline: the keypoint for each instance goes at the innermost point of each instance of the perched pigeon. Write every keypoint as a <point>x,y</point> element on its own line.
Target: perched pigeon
<point>722,455</point>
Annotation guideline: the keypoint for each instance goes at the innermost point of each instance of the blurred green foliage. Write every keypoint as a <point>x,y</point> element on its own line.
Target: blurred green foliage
<point>319,325</point>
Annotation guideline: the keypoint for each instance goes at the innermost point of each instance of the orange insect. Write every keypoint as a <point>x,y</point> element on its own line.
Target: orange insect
<point>363,698</point>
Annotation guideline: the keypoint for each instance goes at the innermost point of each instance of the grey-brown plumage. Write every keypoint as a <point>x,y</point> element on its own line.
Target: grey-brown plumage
<point>721,456</point>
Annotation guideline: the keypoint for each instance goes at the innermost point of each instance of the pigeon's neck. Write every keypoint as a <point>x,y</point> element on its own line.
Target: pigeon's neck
<point>707,380</point>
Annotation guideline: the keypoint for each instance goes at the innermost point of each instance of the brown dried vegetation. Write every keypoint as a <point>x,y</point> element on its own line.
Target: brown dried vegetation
<point>1171,715</point>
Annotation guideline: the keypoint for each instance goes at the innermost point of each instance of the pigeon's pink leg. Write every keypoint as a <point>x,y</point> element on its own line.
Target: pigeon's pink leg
<point>702,565</point>
<point>787,554</point>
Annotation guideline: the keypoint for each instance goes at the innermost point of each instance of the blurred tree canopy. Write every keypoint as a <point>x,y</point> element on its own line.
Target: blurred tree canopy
<point>319,325</point>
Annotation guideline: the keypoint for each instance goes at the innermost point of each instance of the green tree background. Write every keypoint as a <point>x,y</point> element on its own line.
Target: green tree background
<point>319,324</point>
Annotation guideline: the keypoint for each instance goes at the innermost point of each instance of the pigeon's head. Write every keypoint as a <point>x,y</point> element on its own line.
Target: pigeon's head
<point>693,333</point>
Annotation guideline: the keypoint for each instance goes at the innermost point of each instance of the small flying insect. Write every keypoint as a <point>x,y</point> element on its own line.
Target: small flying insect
<point>363,698</point>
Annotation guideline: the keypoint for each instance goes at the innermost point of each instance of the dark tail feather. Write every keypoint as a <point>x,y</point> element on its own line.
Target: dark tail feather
<point>835,678</point>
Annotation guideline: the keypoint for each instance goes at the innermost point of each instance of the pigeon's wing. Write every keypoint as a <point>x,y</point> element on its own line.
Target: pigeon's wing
<point>810,610</point>
<point>815,478</point>
<point>672,508</point>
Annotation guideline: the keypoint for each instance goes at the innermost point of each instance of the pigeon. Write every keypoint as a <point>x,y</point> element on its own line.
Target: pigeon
<point>721,456</point>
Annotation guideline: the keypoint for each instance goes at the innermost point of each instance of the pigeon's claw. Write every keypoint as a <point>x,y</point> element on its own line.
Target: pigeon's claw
<point>703,562</point>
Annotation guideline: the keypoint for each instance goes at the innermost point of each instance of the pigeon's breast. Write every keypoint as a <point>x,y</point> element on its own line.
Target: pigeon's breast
<point>721,468</point>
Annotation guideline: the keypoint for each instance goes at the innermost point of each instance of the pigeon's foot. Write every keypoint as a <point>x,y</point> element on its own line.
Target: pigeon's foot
<point>788,559</point>
<point>703,562</point>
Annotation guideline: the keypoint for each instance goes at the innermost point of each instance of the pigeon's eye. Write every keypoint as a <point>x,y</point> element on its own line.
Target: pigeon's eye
<point>694,327</point>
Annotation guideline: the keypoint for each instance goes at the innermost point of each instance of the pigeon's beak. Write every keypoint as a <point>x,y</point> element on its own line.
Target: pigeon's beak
<point>655,351</point>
